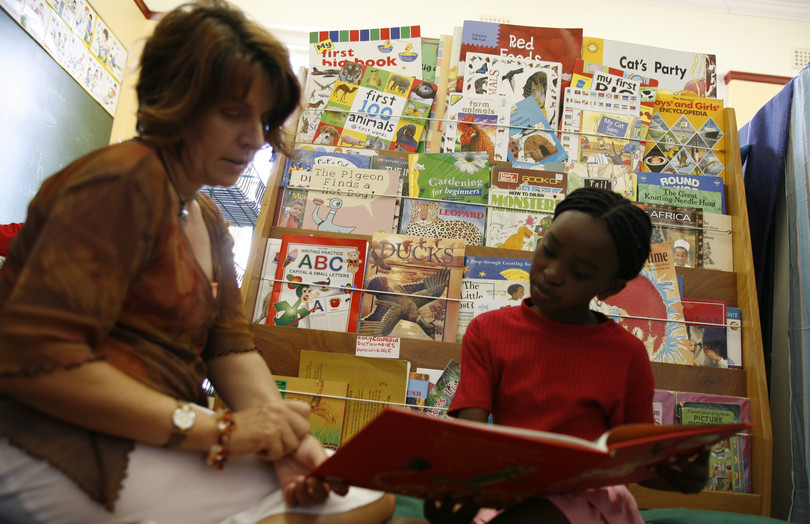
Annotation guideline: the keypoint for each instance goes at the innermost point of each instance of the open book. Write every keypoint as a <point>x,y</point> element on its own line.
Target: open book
<point>416,455</point>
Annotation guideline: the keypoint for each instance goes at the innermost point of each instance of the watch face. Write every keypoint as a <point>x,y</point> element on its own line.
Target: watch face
<point>184,418</point>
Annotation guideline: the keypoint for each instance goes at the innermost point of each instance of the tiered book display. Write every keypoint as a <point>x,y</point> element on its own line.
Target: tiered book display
<point>282,346</point>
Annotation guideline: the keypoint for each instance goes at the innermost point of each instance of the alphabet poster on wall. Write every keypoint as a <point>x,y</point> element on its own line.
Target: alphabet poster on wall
<point>78,40</point>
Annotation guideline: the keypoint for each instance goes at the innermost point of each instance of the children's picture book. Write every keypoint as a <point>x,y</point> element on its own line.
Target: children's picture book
<point>622,179</point>
<point>686,136</point>
<point>266,280</point>
<point>734,337</point>
<point>650,308</point>
<point>395,48</point>
<point>418,389</point>
<point>299,164</point>
<point>376,382</point>
<point>476,123</point>
<point>443,219</point>
<point>549,44</point>
<point>491,278</point>
<point>706,184</point>
<point>685,73</point>
<point>730,458</point>
<point>412,285</point>
<point>375,108</point>
<point>521,205</point>
<point>531,137</point>
<point>315,279</point>
<point>706,324</point>
<point>460,177</point>
<point>442,392</point>
<point>601,127</point>
<point>326,412</point>
<point>664,407</point>
<point>708,201</point>
<point>515,79</point>
<point>352,200</point>
<point>498,465</point>
<point>680,226</point>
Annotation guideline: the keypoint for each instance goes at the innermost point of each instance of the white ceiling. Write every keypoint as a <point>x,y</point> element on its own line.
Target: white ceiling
<point>790,9</point>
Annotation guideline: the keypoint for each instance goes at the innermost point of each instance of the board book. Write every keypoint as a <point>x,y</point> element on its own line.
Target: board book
<point>315,278</point>
<point>375,108</point>
<point>419,456</point>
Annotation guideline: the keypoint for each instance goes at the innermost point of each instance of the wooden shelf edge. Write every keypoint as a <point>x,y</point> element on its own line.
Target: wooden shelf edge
<point>748,503</point>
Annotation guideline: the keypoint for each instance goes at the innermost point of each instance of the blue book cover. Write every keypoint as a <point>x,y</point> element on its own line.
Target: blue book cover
<point>696,182</point>
<point>491,278</point>
<point>531,137</point>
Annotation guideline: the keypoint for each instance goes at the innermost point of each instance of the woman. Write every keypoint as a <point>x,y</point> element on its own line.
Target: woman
<point>119,297</point>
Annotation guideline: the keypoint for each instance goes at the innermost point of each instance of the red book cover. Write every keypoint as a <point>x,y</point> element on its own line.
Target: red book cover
<point>416,455</point>
<point>315,277</point>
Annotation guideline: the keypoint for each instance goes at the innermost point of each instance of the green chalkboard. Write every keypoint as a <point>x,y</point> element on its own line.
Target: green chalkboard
<point>47,120</point>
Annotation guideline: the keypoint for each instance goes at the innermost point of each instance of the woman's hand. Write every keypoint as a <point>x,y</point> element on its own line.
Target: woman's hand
<point>291,472</point>
<point>271,430</point>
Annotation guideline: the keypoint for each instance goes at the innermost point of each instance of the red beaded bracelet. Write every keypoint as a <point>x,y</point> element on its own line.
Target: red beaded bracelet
<point>218,453</point>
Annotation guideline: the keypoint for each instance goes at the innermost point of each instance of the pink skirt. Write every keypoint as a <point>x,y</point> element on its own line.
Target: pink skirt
<point>609,505</point>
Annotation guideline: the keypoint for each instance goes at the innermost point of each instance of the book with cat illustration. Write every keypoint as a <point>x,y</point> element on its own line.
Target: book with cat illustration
<point>491,278</point>
<point>459,177</point>
<point>315,279</point>
<point>375,108</point>
<point>729,459</point>
<point>412,285</point>
<point>443,219</point>
<point>352,200</point>
<point>686,73</point>
<point>499,465</point>
<point>521,205</point>
<point>515,79</point>
<point>650,308</point>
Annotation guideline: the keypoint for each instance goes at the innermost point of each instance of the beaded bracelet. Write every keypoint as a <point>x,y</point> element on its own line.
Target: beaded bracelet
<point>218,453</point>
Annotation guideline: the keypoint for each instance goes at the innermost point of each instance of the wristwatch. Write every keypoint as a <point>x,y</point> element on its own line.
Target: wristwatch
<point>183,419</point>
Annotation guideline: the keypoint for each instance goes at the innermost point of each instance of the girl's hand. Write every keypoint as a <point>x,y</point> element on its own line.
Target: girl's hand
<point>447,511</point>
<point>685,474</point>
<point>271,430</point>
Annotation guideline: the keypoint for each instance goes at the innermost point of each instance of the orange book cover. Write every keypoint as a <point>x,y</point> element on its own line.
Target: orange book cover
<point>412,454</point>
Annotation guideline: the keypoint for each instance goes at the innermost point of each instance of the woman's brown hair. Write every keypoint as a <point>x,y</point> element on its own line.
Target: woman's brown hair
<point>203,53</point>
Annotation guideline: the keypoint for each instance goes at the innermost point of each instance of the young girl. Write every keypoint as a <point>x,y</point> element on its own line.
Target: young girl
<point>553,364</point>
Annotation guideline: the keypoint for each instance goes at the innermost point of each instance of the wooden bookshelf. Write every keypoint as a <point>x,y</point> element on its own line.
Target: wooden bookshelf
<point>281,345</point>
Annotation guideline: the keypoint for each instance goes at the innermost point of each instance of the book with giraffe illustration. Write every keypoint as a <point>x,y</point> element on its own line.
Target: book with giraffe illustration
<point>316,279</point>
<point>521,205</point>
<point>374,108</point>
<point>412,287</point>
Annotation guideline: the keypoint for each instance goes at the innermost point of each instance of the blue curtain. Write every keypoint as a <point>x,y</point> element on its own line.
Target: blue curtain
<point>776,144</point>
<point>797,189</point>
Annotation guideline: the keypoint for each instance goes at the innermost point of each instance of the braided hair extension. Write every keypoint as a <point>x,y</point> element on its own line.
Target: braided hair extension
<point>628,225</point>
